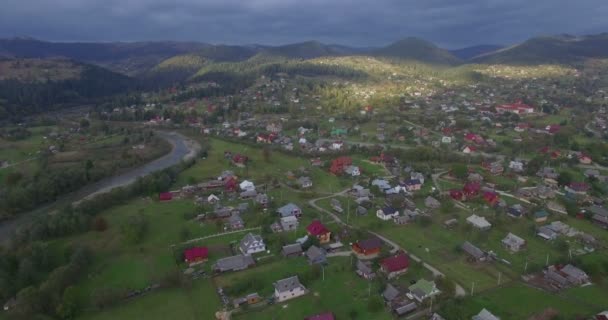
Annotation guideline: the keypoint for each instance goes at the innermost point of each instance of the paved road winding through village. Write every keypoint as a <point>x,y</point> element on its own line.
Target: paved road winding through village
<point>182,149</point>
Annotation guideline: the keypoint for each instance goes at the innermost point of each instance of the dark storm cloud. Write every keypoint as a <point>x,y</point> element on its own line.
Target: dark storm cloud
<point>450,23</point>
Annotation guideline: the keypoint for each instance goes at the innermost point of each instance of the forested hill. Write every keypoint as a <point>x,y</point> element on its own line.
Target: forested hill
<point>128,58</point>
<point>29,89</point>
<point>562,49</point>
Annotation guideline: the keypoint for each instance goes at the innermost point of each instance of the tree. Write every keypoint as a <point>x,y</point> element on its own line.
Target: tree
<point>564,178</point>
<point>106,297</point>
<point>266,154</point>
<point>29,303</point>
<point>134,229</point>
<point>68,307</point>
<point>459,170</point>
<point>13,178</point>
<point>100,224</point>
<point>534,165</point>
<point>447,206</point>
<point>84,123</point>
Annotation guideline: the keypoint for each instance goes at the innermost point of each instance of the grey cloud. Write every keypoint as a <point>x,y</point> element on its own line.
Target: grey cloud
<point>449,23</point>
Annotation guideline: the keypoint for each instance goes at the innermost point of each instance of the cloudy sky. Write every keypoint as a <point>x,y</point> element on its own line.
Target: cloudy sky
<point>449,23</point>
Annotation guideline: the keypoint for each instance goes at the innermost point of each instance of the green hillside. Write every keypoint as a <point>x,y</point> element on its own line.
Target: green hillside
<point>554,49</point>
<point>418,50</point>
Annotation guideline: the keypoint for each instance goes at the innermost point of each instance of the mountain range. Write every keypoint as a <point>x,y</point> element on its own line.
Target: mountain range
<point>181,60</point>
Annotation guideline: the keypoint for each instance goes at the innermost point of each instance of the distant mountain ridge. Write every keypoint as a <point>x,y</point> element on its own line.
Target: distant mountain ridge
<point>124,57</point>
<point>563,49</point>
<point>468,53</point>
<point>180,58</point>
<point>308,50</point>
<point>417,49</point>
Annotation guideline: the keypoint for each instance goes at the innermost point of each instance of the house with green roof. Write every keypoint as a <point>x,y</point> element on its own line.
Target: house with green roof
<point>541,216</point>
<point>423,289</point>
<point>339,132</point>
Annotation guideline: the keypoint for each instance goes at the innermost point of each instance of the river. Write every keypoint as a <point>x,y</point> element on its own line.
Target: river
<point>182,149</point>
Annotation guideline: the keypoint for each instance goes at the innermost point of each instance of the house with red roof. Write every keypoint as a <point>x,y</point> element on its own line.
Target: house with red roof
<point>367,247</point>
<point>240,160</point>
<point>584,159</point>
<point>554,154</point>
<point>471,189</point>
<point>553,128</point>
<point>322,316</point>
<point>318,230</point>
<point>196,255</point>
<point>264,138</point>
<point>491,198</point>
<point>518,108</point>
<point>231,184</point>
<point>457,195</point>
<point>386,158</point>
<point>165,196</point>
<point>475,138</point>
<point>395,265</point>
<point>469,149</point>
<point>521,127</point>
<point>578,188</point>
<point>338,165</point>
<point>495,168</point>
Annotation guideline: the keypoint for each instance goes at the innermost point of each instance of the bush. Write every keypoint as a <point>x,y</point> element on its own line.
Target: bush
<point>185,234</point>
<point>106,297</point>
<point>100,224</point>
<point>374,304</point>
<point>135,228</point>
<point>425,221</point>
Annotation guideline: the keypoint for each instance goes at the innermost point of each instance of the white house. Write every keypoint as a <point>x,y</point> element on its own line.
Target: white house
<point>213,198</point>
<point>513,242</point>
<point>252,244</point>
<point>289,223</point>
<point>417,176</point>
<point>336,145</point>
<point>353,171</point>
<point>516,166</point>
<point>387,213</point>
<point>446,139</point>
<point>485,315</point>
<point>382,184</point>
<point>247,185</point>
<point>288,288</point>
<point>479,222</point>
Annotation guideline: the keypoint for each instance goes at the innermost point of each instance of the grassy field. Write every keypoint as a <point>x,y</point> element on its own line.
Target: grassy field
<point>198,302</point>
<point>438,246</point>
<point>517,301</point>
<point>20,150</point>
<point>258,170</point>
<point>322,296</point>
